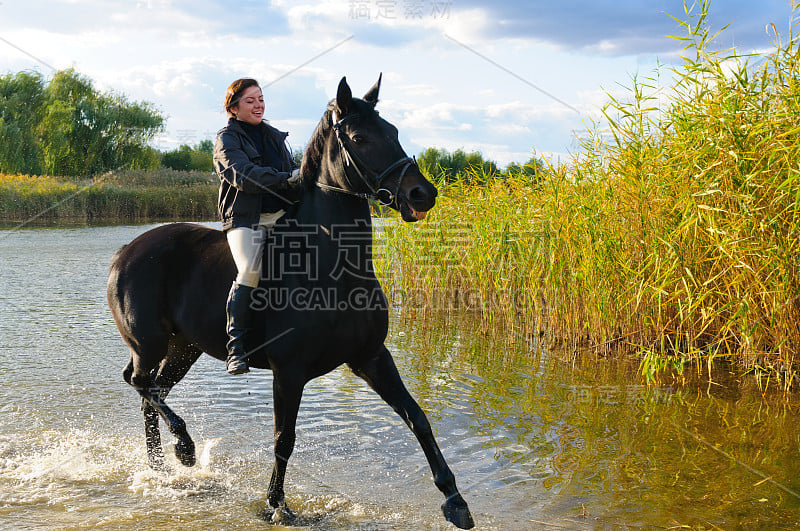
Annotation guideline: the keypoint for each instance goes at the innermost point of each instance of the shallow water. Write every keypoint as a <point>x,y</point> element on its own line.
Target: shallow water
<point>535,441</point>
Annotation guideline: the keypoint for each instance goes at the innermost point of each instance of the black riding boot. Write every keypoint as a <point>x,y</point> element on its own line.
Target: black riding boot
<point>239,320</point>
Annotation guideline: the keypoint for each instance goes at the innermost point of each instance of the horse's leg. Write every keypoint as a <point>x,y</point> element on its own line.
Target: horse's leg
<point>155,455</point>
<point>143,362</point>
<point>381,374</point>
<point>286,395</point>
<point>180,358</point>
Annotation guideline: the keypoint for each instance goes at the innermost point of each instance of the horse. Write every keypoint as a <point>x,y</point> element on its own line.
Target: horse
<point>167,290</point>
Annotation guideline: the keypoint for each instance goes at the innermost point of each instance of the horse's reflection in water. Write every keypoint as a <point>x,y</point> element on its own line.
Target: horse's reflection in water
<point>167,292</point>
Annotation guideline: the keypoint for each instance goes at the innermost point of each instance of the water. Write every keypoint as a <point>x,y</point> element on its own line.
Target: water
<point>536,442</point>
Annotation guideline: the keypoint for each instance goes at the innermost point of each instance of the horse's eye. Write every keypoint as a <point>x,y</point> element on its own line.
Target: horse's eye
<point>359,139</point>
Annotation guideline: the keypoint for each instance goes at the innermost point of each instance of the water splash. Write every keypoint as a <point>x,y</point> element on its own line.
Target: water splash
<point>49,464</point>
<point>204,460</point>
<point>180,481</point>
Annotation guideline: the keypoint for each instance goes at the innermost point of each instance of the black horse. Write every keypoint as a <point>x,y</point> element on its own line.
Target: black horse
<point>167,292</point>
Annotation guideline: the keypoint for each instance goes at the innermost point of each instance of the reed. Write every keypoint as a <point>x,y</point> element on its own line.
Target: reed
<point>128,195</point>
<point>674,234</point>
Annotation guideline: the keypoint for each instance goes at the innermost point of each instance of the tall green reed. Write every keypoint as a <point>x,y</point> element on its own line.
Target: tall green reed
<point>673,234</point>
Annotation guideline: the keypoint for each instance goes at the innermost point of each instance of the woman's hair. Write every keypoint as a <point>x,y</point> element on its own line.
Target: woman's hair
<point>234,92</point>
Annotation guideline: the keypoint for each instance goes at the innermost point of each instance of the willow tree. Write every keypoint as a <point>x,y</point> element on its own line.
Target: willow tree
<point>21,101</point>
<point>67,127</point>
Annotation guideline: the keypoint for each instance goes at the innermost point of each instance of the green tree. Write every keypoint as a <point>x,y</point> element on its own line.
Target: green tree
<point>189,158</point>
<point>67,127</point>
<point>297,155</point>
<point>177,159</point>
<point>201,161</point>
<point>205,146</point>
<point>534,169</point>
<point>456,166</point>
<point>21,99</point>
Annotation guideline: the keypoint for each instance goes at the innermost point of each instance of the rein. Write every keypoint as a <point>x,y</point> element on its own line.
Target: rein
<point>375,183</point>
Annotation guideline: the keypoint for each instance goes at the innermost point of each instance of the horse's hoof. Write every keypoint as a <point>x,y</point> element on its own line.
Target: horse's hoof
<point>280,515</point>
<point>156,462</point>
<point>457,513</point>
<point>283,515</point>
<point>184,451</point>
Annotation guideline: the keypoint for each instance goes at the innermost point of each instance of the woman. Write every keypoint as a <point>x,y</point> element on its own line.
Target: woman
<point>259,180</point>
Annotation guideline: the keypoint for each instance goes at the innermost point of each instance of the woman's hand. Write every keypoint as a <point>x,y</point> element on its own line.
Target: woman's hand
<point>294,178</point>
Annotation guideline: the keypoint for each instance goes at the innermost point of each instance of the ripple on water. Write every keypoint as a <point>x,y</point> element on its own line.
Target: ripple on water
<point>529,439</point>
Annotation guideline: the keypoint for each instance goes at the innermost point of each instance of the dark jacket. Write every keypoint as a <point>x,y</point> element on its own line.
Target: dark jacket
<point>248,189</point>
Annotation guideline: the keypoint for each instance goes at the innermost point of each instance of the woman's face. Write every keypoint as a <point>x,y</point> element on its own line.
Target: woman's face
<point>250,108</point>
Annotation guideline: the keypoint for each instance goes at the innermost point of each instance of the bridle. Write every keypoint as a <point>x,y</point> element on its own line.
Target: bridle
<point>375,182</point>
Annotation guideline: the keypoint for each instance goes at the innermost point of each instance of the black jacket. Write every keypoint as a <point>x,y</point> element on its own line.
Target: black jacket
<point>248,189</point>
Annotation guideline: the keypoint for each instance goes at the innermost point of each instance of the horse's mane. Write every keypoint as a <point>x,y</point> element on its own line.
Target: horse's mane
<point>315,150</point>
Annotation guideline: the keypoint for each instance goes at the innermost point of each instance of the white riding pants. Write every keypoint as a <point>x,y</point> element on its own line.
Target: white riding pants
<point>247,247</point>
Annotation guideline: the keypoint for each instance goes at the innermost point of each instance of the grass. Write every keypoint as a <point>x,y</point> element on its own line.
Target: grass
<point>674,234</point>
<point>126,195</point>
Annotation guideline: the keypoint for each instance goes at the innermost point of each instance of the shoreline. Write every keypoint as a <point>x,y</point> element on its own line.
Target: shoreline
<point>130,195</point>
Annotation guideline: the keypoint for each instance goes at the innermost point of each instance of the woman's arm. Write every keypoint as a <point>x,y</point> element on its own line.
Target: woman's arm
<point>233,165</point>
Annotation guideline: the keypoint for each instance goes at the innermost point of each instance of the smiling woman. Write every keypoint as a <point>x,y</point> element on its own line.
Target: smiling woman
<point>245,101</point>
<point>258,182</point>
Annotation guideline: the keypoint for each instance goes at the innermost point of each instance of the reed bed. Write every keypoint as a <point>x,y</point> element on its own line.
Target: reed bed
<point>674,234</point>
<point>127,195</point>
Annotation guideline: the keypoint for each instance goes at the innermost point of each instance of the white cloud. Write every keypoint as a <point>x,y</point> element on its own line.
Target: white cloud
<point>521,112</point>
<point>467,25</point>
<point>419,90</point>
<point>181,56</point>
<point>429,117</point>
<point>318,17</point>
<point>505,129</point>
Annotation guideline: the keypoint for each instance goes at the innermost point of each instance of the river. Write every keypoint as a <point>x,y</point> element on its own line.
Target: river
<point>536,440</point>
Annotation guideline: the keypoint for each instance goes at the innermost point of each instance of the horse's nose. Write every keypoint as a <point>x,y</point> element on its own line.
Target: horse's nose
<point>420,193</point>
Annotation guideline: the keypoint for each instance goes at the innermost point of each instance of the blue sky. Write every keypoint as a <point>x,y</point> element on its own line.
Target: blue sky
<point>505,78</point>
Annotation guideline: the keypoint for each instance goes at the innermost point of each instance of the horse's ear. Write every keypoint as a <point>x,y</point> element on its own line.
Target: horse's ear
<point>371,96</point>
<point>344,98</point>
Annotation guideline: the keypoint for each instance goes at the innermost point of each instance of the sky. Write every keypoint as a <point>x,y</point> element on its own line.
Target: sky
<point>508,79</point>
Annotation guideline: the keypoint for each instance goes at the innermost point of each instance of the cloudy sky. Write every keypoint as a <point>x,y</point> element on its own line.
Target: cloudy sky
<point>505,78</point>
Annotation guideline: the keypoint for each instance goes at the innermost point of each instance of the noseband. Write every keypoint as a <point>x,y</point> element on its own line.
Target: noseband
<point>374,182</point>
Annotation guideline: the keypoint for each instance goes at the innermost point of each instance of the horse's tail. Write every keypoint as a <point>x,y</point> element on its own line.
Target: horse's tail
<point>116,256</point>
<point>113,295</point>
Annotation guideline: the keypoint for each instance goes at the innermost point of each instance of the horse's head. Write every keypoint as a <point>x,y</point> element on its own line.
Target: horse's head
<point>356,152</point>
